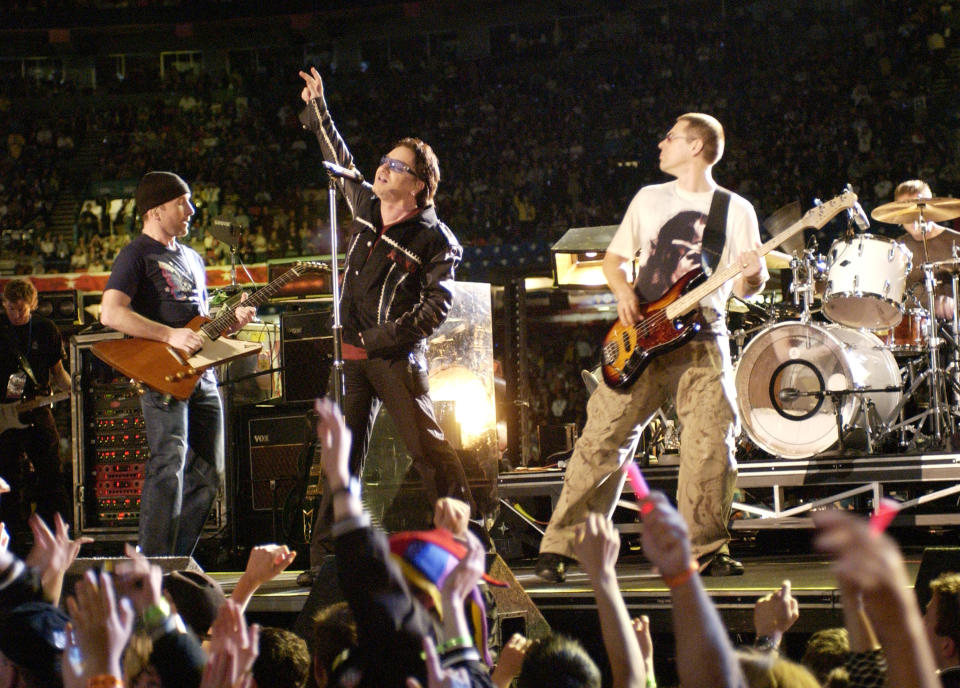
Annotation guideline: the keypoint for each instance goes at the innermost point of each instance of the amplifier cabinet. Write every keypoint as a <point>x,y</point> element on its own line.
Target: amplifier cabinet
<point>275,443</point>
<point>307,351</point>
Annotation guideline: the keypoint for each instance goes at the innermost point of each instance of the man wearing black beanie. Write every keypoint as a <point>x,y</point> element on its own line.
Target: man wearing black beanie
<point>156,287</point>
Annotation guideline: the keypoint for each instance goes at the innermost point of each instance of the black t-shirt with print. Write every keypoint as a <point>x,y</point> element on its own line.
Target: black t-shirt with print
<point>168,286</point>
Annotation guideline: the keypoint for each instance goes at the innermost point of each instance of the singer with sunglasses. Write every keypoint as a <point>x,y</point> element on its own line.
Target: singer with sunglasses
<point>396,291</point>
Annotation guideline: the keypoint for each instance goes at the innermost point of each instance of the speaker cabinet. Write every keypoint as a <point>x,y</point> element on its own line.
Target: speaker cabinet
<point>307,351</point>
<point>275,445</point>
<point>59,306</point>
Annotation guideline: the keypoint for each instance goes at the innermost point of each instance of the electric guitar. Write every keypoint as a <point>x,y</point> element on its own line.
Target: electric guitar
<point>10,412</point>
<point>673,319</point>
<point>171,371</point>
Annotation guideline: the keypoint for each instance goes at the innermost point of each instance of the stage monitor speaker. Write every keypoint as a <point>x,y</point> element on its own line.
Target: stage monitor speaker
<point>307,351</point>
<point>59,306</point>
<point>81,565</point>
<point>556,438</point>
<point>275,444</point>
<point>936,560</point>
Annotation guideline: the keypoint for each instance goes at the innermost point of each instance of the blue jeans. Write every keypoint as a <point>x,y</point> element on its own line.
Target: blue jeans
<point>185,468</point>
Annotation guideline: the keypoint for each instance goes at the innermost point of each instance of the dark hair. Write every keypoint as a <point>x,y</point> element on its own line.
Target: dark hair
<point>20,290</point>
<point>282,660</point>
<point>334,630</point>
<point>426,166</point>
<point>558,662</point>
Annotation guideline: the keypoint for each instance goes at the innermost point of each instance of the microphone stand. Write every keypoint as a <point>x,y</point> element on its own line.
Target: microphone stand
<point>337,329</point>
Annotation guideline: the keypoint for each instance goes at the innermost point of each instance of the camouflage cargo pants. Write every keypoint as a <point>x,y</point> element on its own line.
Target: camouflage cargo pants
<point>698,376</point>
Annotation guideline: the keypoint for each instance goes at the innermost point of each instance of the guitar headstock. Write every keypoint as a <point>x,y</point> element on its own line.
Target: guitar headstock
<point>304,266</point>
<point>820,215</point>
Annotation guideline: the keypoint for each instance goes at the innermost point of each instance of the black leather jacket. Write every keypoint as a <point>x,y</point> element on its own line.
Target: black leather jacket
<point>396,289</point>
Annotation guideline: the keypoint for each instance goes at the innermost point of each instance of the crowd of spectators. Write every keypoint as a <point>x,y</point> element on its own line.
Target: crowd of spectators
<point>413,613</point>
<point>550,131</point>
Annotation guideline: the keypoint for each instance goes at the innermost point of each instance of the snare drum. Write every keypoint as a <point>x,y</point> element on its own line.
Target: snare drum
<point>910,335</point>
<point>866,278</point>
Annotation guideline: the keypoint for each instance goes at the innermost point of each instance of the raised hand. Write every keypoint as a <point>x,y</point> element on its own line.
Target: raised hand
<point>52,553</point>
<point>597,545</point>
<point>101,625</point>
<point>313,85</point>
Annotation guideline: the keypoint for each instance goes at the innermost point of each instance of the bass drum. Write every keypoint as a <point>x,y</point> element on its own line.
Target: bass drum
<point>781,376</point>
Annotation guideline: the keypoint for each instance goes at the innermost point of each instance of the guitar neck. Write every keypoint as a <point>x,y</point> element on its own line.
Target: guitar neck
<point>226,319</point>
<point>816,218</point>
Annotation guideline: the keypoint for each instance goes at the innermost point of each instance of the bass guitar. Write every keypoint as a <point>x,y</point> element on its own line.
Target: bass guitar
<point>673,319</point>
<point>171,371</point>
<point>10,412</point>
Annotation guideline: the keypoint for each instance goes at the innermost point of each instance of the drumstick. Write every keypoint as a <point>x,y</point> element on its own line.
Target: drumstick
<point>640,488</point>
<point>884,513</point>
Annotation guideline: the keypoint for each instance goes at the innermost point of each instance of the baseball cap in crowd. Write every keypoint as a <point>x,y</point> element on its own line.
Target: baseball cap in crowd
<point>33,636</point>
<point>197,596</point>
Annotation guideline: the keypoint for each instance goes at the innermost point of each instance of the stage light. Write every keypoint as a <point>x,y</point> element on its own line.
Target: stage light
<point>473,404</point>
<point>578,256</point>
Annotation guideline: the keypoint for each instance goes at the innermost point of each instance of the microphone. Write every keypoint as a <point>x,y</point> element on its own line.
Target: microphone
<point>352,173</point>
<point>789,394</point>
<point>859,217</point>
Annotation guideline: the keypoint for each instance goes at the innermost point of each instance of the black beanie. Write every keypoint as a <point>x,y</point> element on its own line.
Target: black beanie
<point>156,188</point>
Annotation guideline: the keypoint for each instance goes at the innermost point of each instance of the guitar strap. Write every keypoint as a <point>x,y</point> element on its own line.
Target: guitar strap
<point>715,232</point>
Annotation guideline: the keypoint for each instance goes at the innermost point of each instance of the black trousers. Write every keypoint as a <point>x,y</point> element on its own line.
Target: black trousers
<point>401,386</point>
<point>41,444</point>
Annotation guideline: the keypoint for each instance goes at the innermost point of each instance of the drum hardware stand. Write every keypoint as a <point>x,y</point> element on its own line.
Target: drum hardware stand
<point>803,289</point>
<point>867,410</point>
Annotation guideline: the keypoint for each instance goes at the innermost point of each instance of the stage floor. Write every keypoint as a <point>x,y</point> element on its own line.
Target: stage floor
<point>812,583</point>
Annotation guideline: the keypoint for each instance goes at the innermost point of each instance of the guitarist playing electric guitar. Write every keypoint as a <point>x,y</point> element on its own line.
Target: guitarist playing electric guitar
<point>672,229</point>
<point>156,287</point>
<point>31,361</point>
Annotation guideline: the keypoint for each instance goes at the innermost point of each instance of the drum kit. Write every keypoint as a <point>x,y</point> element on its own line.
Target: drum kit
<point>878,372</point>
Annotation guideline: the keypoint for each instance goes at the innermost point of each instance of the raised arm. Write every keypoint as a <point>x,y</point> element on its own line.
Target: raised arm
<point>705,655</point>
<point>597,546</point>
<point>872,563</point>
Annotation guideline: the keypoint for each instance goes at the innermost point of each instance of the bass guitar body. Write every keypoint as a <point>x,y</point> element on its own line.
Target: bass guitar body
<point>627,350</point>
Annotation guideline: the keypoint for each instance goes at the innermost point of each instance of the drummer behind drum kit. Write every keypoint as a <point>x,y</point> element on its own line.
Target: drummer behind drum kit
<point>806,387</point>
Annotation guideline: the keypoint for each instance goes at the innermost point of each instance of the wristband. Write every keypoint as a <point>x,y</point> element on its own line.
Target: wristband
<point>104,681</point>
<point>678,579</point>
<point>156,613</point>
<point>457,643</point>
<point>767,643</point>
<point>651,681</point>
<point>352,488</point>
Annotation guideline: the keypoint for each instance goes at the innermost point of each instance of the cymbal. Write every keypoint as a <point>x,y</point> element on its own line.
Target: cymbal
<point>777,260</point>
<point>903,212</point>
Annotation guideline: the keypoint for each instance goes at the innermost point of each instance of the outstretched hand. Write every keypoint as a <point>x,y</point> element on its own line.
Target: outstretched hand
<point>335,440</point>
<point>52,553</point>
<point>313,87</point>
<point>666,541</point>
<point>775,613</point>
<point>597,545</point>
